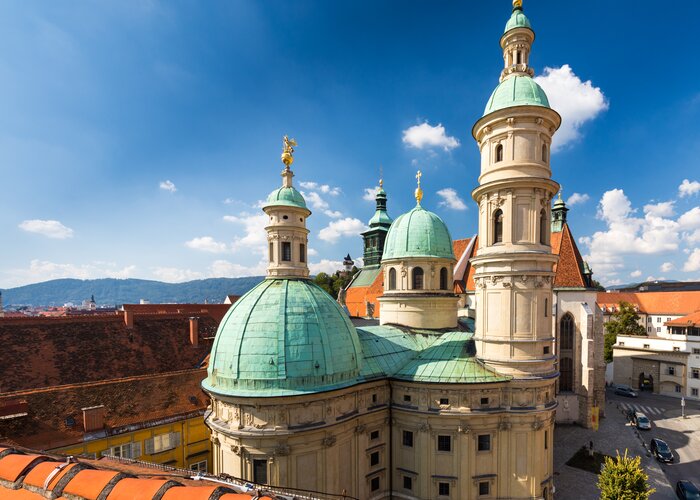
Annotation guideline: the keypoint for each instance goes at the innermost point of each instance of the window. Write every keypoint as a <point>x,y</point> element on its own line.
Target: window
<point>484,401</point>
<point>498,226</point>
<point>676,349</point>
<point>128,450</point>
<point>272,252</point>
<point>646,346</point>
<point>546,439</point>
<point>199,466</point>
<point>696,351</point>
<point>373,435</point>
<point>621,344</point>
<point>444,401</point>
<point>392,279</point>
<point>678,388</point>
<point>417,278</point>
<point>285,217</point>
<point>649,319</point>
<point>543,226</point>
<point>302,252</point>
<point>443,278</point>
<point>260,471</point>
<point>374,459</point>
<point>658,329</point>
<point>162,442</point>
<point>444,443</point>
<point>566,332</point>
<point>444,489</point>
<point>286,251</point>
<point>671,370</point>
<point>407,483</point>
<point>648,329</point>
<point>407,398</point>
<point>658,319</point>
<point>546,306</point>
<point>374,398</point>
<point>696,373</point>
<point>499,153</point>
<point>693,392</point>
<point>668,319</point>
<point>544,153</point>
<point>545,350</point>
<point>484,488</point>
<point>566,374</point>
<point>408,439</point>
<point>374,484</point>
<point>484,442</point>
<point>518,57</point>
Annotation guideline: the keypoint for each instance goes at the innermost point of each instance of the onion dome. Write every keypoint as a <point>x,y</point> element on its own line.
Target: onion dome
<point>418,233</point>
<point>284,337</point>
<point>517,19</point>
<point>520,90</point>
<point>285,196</point>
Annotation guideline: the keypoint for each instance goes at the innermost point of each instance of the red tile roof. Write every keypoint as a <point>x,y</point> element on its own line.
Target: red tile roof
<point>569,269</point>
<point>689,320</point>
<point>672,303</point>
<point>356,297</point>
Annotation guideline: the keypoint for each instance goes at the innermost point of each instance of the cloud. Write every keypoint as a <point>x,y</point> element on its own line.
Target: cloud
<point>333,214</point>
<point>175,275</point>
<point>577,199</point>
<point>666,267</point>
<point>226,269</point>
<point>425,136</point>
<point>370,193</point>
<point>325,266</point>
<point>323,188</point>
<point>663,209</point>
<point>312,252</point>
<point>688,188</point>
<point>315,200</point>
<point>636,274</point>
<point>255,237</point>
<point>340,228</point>
<point>693,262</point>
<point>577,102</point>
<point>206,244</point>
<point>168,186</point>
<point>49,228</point>
<point>451,200</point>
<point>690,219</point>
<point>43,270</point>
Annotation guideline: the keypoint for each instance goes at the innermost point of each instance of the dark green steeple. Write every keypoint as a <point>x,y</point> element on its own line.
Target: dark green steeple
<point>378,227</point>
<point>559,215</point>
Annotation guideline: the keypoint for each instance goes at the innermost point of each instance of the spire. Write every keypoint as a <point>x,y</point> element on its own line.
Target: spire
<point>516,42</point>
<point>559,214</point>
<point>419,191</point>
<point>287,158</point>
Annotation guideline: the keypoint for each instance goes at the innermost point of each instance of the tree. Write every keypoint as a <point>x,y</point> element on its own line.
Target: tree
<point>333,283</point>
<point>598,286</point>
<point>624,321</point>
<point>623,478</point>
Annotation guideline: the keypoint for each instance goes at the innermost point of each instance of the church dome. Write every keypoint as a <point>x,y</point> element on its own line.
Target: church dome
<point>520,90</point>
<point>418,233</point>
<point>285,196</point>
<point>284,337</point>
<point>517,20</point>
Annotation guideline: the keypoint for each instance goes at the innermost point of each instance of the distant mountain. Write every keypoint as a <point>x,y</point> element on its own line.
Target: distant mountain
<point>111,291</point>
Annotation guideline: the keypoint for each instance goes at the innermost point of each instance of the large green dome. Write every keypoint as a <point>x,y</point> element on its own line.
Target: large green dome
<point>283,337</point>
<point>518,90</point>
<point>285,196</point>
<point>418,233</point>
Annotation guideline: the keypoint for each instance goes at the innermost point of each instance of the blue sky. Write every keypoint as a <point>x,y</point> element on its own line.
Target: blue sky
<point>137,138</point>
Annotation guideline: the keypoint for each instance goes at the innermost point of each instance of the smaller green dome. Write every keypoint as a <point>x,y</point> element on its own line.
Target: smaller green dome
<point>517,20</point>
<point>516,90</point>
<point>285,196</point>
<point>418,233</point>
<point>380,218</point>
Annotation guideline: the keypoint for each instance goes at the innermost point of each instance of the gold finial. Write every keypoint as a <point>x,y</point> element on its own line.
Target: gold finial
<point>288,152</point>
<point>561,188</point>
<point>419,191</point>
<point>381,177</point>
<point>517,4</point>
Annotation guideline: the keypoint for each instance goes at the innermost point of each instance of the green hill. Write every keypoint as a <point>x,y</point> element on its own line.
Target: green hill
<point>111,291</point>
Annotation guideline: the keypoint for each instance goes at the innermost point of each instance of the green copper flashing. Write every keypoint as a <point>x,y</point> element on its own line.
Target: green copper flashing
<point>285,196</point>
<point>517,90</point>
<point>283,337</point>
<point>418,233</point>
<point>517,20</point>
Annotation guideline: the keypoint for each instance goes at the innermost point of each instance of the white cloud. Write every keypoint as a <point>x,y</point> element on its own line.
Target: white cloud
<point>206,244</point>
<point>451,200</point>
<point>577,199</point>
<point>168,186</point>
<point>333,214</point>
<point>49,228</point>
<point>324,188</point>
<point>693,262</point>
<point>317,202</point>
<point>312,252</point>
<point>666,267</point>
<point>663,209</point>
<point>43,270</point>
<point>636,274</point>
<point>325,266</point>
<point>426,136</point>
<point>339,228</point>
<point>175,275</point>
<point>690,219</point>
<point>370,193</point>
<point>688,188</point>
<point>255,237</point>
<point>577,102</point>
<point>226,269</point>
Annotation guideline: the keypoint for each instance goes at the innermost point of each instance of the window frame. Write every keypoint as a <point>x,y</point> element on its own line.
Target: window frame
<point>443,443</point>
<point>483,443</point>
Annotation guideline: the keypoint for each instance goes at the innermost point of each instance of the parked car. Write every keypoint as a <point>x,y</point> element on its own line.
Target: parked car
<point>626,390</point>
<point>687,490</point>
<point>661,450</point>
<point>642,421</point>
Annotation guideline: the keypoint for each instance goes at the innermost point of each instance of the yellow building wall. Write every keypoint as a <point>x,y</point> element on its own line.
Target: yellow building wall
<point>194,445</point>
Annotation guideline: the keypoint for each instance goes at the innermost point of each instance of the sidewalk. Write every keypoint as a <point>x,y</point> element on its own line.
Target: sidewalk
<point>613,434</point>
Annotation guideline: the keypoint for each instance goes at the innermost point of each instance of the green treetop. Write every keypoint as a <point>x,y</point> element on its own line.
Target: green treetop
<point>624,321</point>
<point>623,478</point>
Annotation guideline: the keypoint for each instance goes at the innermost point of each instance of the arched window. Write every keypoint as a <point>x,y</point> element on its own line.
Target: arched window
<point>499,153</point>
<point>566,333</point>
<point>498,226</point>
<point>543,226</point>
<point>519,56</point>
<point>544,153</point>
<point>417,276</point>
<point>392,279</point>
<point>443,278</point>
<point>566,374</point>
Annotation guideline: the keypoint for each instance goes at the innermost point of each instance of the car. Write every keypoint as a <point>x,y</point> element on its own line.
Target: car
<point>625,390</point>
<point>687,490</point>
<point>642,421</point>
<point>661,450</point>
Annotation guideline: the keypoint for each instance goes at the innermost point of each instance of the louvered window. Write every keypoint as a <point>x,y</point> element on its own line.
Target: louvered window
<point>162,442</point>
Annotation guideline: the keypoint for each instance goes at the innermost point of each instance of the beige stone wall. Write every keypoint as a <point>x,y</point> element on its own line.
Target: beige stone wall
<point>287,224</point>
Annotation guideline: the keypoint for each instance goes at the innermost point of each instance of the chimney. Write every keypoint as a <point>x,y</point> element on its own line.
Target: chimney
<point>129,318</point>
<point>194,331</point>
<point>93,418</point>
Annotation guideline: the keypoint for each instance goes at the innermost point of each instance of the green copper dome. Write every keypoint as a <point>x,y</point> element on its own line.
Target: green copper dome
<point>418,233</point>
<point>283,337</point>
<point>517,20</point>
<point>518,90</point>
<point>286,196</point>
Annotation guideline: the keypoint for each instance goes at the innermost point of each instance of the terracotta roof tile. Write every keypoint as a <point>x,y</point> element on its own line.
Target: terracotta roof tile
<point>191,493</point>
<point>13,466</point>
<point>137,489</point>
<point>356,298</point>
<point>41,472</point>
<point>569,269</point>
<point>689,320</point>
<point>90,483</point>
<point>672,303</point>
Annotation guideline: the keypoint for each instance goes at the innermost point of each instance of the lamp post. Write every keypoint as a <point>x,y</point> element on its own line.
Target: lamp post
<point>682,407</point>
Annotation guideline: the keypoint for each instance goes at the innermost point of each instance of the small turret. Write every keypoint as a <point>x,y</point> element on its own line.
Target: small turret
<point>559,215</point>
<point>379,225</point>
